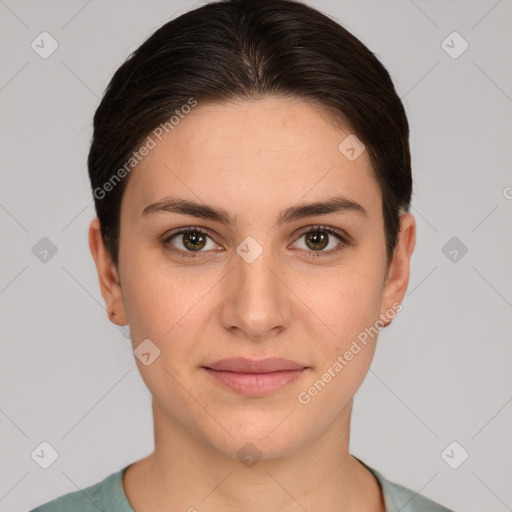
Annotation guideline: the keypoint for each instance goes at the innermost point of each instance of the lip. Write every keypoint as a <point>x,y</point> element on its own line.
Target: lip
<point>244,365</point>
<point>255,377</point>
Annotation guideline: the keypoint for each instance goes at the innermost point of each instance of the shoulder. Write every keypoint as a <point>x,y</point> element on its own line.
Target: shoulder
<point>104,495</point>
<point>399,498</point>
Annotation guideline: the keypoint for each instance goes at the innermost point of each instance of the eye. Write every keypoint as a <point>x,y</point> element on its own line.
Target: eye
<point>319,238</point>
<point>190,240</point>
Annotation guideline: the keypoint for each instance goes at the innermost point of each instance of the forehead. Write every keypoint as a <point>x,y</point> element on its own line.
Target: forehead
<point>252,156</point>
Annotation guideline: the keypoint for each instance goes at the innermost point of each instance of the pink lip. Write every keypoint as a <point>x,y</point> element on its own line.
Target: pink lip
<point>244,365</point>
<point>255,378</point>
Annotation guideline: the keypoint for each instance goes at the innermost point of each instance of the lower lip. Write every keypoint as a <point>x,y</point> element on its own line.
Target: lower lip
<point>255,384</point>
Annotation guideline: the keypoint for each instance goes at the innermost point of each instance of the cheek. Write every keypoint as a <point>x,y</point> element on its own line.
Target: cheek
<point>160,307</point>
<point>156,292</point>
<point>350,306</point>
<point>346,300</point>
<point>173,308</point>
<point>155,302</point>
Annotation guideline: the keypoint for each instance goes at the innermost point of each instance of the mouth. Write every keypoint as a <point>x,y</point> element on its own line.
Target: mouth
<point>255,378</point>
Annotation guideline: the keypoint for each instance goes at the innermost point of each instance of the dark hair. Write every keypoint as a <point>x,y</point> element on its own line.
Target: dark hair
<point>245,49</point>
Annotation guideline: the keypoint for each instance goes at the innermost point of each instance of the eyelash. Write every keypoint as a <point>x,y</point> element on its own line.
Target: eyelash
<point>343,241</point>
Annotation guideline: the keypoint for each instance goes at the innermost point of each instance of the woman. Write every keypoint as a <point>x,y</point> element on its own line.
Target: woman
<point>251,173</point>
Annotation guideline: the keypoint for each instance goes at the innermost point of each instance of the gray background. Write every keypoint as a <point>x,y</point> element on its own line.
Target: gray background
<point>442,370</point>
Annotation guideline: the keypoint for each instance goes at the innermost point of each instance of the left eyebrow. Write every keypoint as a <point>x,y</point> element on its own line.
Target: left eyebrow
<point>338,204</point>
<point>334,205</point>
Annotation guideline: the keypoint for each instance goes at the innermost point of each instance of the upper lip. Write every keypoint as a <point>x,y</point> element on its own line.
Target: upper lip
<point>244,365</point>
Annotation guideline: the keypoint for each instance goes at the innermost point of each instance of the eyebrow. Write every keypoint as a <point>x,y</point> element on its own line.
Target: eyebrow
<point>338,204</point>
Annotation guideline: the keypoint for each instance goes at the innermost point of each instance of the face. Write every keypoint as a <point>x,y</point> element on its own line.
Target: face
<point>273,282</point>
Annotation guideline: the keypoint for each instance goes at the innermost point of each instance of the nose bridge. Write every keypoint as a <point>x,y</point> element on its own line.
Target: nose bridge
<point>257,302</point>
<point>256,281</point>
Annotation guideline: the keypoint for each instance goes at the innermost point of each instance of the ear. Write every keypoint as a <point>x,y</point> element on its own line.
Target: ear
<point>397,278</point>
<point>108,276</point>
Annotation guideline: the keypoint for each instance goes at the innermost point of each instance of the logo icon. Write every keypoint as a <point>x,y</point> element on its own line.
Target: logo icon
<point>44,250</point>
<point>249,454</point>
<point>44,455</point>
<point>454,249</point>
<point>146,352</point>
<point>44,45</point>
<point>351,147</point>
<point>249,249</point>
<point>454,45</point>
<point>454,455</point>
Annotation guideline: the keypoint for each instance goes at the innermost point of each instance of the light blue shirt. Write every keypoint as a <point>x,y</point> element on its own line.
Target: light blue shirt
<point>109,496</point>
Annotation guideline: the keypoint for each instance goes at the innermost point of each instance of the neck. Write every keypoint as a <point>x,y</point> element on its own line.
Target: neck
<point>189,474</point>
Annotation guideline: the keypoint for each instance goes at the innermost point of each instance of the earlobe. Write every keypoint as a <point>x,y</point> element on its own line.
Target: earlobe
<point>399,268</point>
<point>107,274</point>
<point>113,318</point>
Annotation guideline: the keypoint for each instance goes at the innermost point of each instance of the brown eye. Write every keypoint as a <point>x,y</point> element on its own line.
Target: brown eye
<point>320,241</point>
<point>190,240</point>
<point>193,240</point>
<point>317,240</point>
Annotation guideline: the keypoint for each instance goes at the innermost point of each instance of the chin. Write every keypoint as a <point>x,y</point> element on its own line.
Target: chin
<point>249,451</point>
<point>266,437</point>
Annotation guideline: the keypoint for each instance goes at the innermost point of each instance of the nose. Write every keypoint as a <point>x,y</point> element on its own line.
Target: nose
<point>256,304</point>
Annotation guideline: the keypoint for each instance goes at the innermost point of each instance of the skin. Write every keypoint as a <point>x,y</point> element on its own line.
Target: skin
<point>252,159</point>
